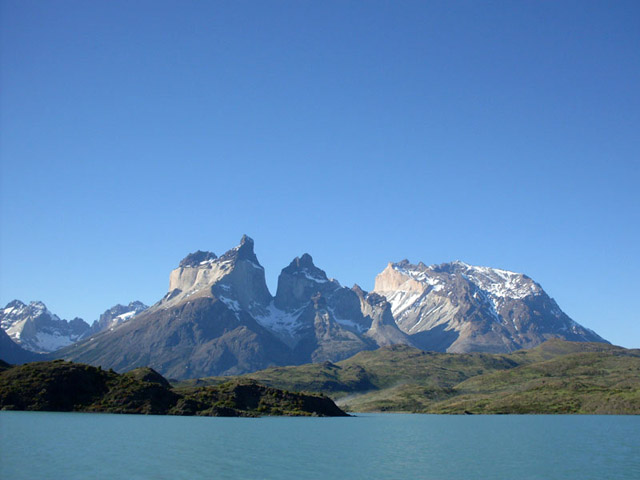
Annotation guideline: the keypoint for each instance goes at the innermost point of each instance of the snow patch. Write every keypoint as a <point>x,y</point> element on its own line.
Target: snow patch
<point>232,304</point>
<point>278,320</point>
<point>308,276</point>
<point>49,342</point>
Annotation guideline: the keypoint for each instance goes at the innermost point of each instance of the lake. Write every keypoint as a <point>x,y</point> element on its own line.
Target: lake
<point>66,446</point>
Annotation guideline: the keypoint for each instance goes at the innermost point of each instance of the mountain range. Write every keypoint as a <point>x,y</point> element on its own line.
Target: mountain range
<point>219,318</point>
<point>35,329</point>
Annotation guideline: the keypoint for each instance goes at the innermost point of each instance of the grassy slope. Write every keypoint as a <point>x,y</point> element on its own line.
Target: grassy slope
<point>574,383</point>
<point>556,377</point>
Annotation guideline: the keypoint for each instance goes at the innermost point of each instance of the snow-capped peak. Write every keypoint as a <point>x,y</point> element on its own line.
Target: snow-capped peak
<point>496,282</point>
<point>35,328</point>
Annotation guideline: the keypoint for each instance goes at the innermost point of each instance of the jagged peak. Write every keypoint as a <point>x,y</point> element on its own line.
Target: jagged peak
<point>243,251</point>
<point>305,261</point>
<point>15,304</point>
<point>459,265</point>
<point>246,239</point>
<point>38,308</point>
<point>304,266</point>
<point>498,282</point>
<point>137,304</point>
<point>197,258</point>
<point>376,299</point>
<point>358,290</point>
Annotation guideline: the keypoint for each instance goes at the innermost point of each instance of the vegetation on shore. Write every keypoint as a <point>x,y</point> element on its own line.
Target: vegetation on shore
<point>555,377</point>
<point>65,387</point>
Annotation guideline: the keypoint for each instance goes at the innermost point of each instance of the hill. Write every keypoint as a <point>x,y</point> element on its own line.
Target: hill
<point>61,386</point>
<point>555,377</point>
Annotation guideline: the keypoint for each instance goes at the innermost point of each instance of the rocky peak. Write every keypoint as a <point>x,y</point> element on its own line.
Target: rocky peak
<point>357,289</point>
<point>304,266</point>
<point>115,316</point>
<point>235,276</point>
<point>244,251</point>
<point>497,282</point>
<point>401,276</point>
<point>376,300</point>
<point>15,304</point>
<point>19,311</point>
<point>197,258</point>
<point>300,281</point>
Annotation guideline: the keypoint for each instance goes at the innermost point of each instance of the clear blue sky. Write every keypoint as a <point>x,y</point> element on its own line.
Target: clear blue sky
<point>504,134</point>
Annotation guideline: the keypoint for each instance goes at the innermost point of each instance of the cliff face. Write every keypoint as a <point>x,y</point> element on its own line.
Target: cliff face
<point>236,276</point>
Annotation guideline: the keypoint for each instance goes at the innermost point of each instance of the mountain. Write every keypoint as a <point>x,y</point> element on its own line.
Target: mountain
<point>204,323</point>
<point>35,328</point>
<point>114,316</point>
<point>456,307</point>
<point>316,316</point>
<point>219,318</point>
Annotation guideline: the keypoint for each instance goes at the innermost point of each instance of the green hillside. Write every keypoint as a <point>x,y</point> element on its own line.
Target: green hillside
<point>555,377</point>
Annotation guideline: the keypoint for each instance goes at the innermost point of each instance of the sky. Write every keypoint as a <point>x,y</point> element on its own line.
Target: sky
<point>504,134</point>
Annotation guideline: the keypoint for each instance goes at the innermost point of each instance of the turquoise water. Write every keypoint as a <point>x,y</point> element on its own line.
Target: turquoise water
<point>65,446</point>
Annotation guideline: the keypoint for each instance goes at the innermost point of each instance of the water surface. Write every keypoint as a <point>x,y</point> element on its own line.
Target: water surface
<point>39,445</point>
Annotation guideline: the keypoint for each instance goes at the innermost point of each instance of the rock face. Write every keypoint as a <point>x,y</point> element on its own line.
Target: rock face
<point>36,329</point>
<point>116,315</point>
<point>456,307</point>
<point>219,318</point>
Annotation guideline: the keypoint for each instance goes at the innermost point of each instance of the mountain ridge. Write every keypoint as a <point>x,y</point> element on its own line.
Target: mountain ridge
<point>219,317</point>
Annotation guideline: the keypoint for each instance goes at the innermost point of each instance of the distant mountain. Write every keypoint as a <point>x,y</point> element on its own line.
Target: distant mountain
<point>35,328</point>
<point>219,318</point>
<point>116,315</point>
<point>456,307</point>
